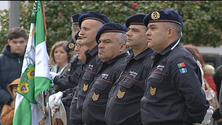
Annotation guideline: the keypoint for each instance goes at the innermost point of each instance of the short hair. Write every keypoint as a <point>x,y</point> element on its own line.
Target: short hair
<point>75,26</point>
<point>17,32</point>
<point>176,27</point>
<point>122,37</point>
<point>57,44</point>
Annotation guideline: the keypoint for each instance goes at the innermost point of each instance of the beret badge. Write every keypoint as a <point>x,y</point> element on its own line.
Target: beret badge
<point>71,46</point>
<point>71,19</point>
<point>155,15</point>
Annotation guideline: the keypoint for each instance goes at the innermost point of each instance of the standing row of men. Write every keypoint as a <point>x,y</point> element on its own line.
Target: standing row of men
<point>159,83</point>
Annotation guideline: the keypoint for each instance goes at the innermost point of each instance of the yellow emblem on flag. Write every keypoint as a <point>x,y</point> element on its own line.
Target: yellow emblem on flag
<point>95,97</point>
<point>85,87</point>
<point>120,94</point>
<point>152,90</point>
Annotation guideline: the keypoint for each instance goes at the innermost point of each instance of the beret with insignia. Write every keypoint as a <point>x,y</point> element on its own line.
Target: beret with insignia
<point>78,36</point>
<point>163,16</point>
<point>70,46</point>
<point>135,20</point>
<point>111,27</point>
<point>74,18</point>
<point>93,15</point>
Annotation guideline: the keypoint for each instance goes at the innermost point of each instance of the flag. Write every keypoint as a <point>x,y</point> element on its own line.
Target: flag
<point>35,77</point>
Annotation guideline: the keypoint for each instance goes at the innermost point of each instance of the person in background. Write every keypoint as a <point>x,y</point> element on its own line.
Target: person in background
<point>217,77</point>
<point>111,39</point>
<point>207,69</point>
<point>75,28</point>
<point>7,114</point>
<point>59,57</point>
<point>207,73</point>
<point>172,91</point>
<point>123,106</point>
<point>68,81</point>
<point>11,60</point>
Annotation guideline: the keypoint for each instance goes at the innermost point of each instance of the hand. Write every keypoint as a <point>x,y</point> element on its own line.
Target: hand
<point>54,100</point>
<point>208,116</point>
<point>53,74</point>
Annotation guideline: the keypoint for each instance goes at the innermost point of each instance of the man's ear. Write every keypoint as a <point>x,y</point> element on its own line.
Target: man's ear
<point>122,47</point>
<point>170,32</point>
<point>77,28</point>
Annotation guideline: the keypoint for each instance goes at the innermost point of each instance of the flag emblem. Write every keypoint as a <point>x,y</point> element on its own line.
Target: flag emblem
<point>180,65</point>
<point>31,73</point>
<point>23,88</point>
<point>183,70</point>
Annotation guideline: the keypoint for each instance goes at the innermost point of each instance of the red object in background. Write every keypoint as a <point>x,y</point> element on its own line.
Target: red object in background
<point>60,15</point>
<point>120,4</point>
<point>134,5</point>
<point>5,44</point>
<point>197,1</point>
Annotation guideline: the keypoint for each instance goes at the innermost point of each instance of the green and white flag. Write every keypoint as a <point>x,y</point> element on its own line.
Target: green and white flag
<point>35,78</point>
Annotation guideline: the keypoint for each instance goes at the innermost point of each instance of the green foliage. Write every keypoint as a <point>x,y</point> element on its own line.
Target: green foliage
<point>201,19</point>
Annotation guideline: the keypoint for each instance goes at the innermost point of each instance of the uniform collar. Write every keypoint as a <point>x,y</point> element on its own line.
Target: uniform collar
<point>170,47</point>
<point>93,51</point>
<point>140,55</point>
<point>116,58</point>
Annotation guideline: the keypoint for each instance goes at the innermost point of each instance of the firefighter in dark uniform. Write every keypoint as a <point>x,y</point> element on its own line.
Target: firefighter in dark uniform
<point>112,52</point>
<point>90,22</point>
<point>68,83</point>
<point>123,106</point>
<point>172,91</point>
<point>65,80</point>
<point>75,28</point>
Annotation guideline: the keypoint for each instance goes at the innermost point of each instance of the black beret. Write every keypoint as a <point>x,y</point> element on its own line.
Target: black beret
<point>135,20</point>
<point>78,36</point>
<point>70,46</point>
<point>163,16</point>
<point>111,27</point>
<point>93,15</point>
<point>75,18</point>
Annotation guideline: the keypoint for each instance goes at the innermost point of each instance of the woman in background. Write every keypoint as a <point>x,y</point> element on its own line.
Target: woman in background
<point>59,57</point>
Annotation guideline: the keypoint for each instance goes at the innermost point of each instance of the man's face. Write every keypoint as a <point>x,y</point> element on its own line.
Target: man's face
<point>156,36</point>
<point>109,47</point>
<point>136,37</point>
<point>80,49</point>
<point>88,31</point>
<point>18,45</point>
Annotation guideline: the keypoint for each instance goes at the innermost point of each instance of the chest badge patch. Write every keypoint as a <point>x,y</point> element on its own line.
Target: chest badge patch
<point>160,67</point>
<point>152,90</point>
<point>95,97</point>
<point>120,94</point>
<point>85,87</point>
